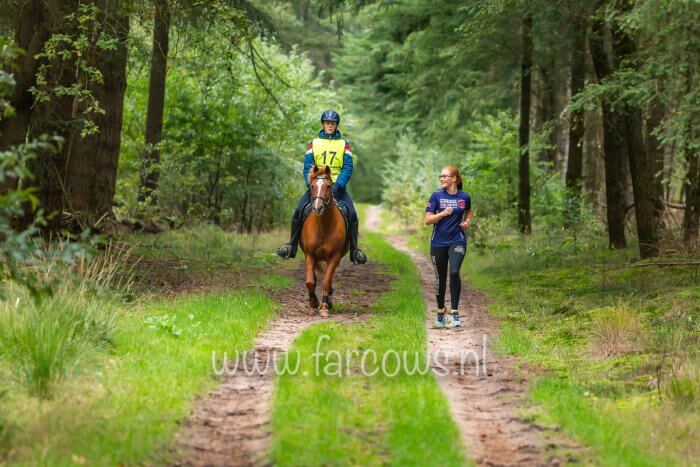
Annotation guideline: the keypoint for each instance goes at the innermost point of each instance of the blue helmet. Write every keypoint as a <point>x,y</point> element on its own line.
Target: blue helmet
<point>330,116</point>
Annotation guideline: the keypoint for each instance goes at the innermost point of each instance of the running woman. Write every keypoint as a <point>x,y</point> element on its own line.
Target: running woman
<point>449,210</point>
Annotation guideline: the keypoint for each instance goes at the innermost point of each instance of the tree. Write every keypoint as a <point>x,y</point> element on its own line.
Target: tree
<point>641,167</point>
<point>64,89</point>
<point>614,144</point>
<point>574,166</point>
<point>156,102</point>
<point>91,170</point>
<point>524,222</point>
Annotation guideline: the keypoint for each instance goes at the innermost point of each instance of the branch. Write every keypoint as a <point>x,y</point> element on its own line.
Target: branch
<point>262,83</point>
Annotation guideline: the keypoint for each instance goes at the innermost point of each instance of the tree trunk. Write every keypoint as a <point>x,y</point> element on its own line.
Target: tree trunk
<point>593,161</point>
<point>92,166</point>
<point>642,185</point>
<point>156,102</point>
<point>81,175</point>
<point>614,146</point>
<point>56,116</point>
<point>641,168</point>
<point>32,32</point>
<point>549,103</point>
<point>524,221</point>
<point>544,112</point>
<point>691,217</point>
<point>574,166</point>
<point>655,155</point>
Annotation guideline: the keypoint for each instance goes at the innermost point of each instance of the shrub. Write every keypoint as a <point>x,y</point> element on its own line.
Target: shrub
<point>45,341</point>
<point>615,331</point>
<point>682,388</point>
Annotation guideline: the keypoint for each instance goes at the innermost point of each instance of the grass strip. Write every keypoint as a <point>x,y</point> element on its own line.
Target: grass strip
<point>354,418</point>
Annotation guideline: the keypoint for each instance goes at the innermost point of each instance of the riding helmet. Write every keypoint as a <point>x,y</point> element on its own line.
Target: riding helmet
<point>330,116</point>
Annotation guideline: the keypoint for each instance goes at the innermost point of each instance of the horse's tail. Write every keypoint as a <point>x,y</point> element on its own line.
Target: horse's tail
<point>321,268</point>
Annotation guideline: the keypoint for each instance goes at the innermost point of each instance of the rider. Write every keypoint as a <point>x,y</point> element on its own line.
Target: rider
<point>328,149</point>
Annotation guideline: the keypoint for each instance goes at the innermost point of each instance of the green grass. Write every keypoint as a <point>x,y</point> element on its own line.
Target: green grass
<point>127,411</point>
<point>210,244</point>
<point>89,378</point>
<point>612,344</point>
<point>321,419</point>
<point>617,351</point>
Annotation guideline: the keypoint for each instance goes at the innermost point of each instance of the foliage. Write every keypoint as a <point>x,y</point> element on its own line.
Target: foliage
<point>163,323</point>
<point>84,37</point>
<point>237,121</point>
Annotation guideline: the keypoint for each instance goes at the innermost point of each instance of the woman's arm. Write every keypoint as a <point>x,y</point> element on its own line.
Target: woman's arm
<point>467,220</point>
<point>431,218</point>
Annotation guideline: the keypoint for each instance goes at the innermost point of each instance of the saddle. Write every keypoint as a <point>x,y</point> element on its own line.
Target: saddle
<point>344,210</point>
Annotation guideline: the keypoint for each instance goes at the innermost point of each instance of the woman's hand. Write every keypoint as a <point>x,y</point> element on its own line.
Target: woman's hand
<point>446,212</point>
<point>464,224</point>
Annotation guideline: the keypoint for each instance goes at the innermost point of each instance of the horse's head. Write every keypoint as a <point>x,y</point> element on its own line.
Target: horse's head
<point>321,192</point>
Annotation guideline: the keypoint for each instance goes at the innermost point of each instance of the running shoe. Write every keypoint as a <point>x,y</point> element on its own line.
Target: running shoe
<point>455,320</point>
<point>440,320</point>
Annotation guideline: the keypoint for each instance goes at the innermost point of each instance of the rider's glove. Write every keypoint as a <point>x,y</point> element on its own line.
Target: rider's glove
<point>337,190</point>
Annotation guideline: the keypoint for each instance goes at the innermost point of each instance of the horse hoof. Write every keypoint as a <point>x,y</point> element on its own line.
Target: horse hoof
<point>323,311</point>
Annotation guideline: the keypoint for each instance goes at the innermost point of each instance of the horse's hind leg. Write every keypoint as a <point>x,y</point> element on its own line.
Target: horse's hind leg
<point>327,288</point>
<point>311,282</point>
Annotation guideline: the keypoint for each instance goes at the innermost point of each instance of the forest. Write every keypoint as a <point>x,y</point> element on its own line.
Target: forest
<point>151,158</point>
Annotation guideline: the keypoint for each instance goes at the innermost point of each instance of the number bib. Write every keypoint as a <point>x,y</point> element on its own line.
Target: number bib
<point>329,152</point>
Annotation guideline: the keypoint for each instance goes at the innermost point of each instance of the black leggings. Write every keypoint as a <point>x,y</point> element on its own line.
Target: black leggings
<point>441,256</point>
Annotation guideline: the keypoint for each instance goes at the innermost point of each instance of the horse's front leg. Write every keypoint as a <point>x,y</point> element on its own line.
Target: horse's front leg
<point>310,262</point>
<point>327,286</point>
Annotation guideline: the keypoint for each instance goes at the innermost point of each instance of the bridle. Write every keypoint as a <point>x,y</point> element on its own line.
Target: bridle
<point>327,199</point>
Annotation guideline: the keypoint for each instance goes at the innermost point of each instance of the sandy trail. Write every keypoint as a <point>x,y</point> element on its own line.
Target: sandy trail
<point>230,426</point>
<point>485,406</point>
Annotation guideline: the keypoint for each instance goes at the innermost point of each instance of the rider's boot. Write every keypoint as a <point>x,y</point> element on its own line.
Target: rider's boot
<point>356,255</point>
<point>289,250</point>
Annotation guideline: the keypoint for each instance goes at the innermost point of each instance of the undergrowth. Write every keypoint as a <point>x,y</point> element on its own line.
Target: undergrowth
<point>98,370</point>
<point>619,341</point>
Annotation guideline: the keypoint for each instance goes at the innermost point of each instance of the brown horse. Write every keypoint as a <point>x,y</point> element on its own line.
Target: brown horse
<point>323,238</point>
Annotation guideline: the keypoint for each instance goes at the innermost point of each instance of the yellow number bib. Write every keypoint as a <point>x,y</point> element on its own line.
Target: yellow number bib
<point>329,152</point>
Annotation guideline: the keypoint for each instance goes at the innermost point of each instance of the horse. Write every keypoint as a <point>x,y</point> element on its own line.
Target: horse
<point>323,238</point>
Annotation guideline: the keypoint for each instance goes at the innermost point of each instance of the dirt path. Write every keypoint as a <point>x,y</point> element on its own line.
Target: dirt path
<point>230,425</point>
<point>486,406</point>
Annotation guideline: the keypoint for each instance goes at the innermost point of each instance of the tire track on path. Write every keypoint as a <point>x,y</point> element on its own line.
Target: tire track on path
<point>484,406</point>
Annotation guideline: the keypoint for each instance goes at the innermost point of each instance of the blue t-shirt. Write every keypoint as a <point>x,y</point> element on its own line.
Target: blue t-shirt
<point>447,230</point>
